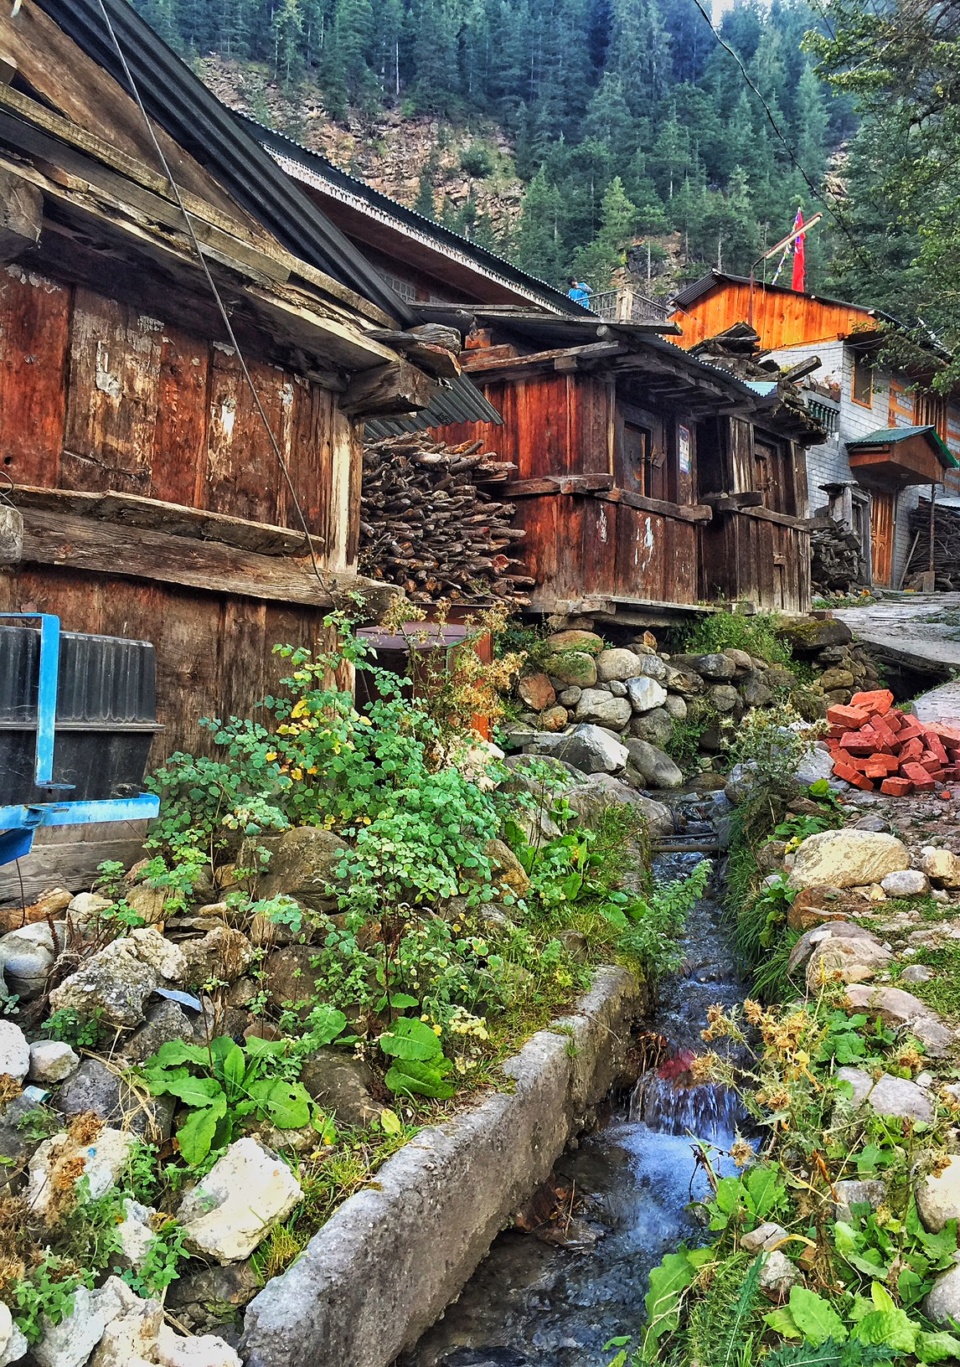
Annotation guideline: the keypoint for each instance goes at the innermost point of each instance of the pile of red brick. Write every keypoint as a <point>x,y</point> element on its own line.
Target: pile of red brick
<point>871,742</point>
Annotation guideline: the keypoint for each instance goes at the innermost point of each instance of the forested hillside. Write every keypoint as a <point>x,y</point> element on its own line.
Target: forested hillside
<point>626,117</point>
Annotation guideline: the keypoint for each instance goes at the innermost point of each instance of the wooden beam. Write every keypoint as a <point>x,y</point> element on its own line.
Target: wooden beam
<point>594,351</point>
<point>387,390</point>
<point>21,215</point>
<point>556,484</point>
<point>683,512</point>
<point>134,510</point>
<point>781,519</point>
<point>11,535</point>
<point>732,503</point>
<point>89,545</point>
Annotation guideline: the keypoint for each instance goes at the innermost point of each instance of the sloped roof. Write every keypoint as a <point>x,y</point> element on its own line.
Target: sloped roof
<point>698,288</point>
<point>889,436</point>
<point>215,136</point>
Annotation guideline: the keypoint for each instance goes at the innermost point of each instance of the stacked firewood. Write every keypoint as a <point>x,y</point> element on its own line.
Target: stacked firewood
<point>430,521</point>
<point>836,560</point>
<point>946,544</point>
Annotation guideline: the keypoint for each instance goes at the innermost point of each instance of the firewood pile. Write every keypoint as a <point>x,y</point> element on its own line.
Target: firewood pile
<point>430,521</point>
<point>836,562</point>
<point>946,544</point>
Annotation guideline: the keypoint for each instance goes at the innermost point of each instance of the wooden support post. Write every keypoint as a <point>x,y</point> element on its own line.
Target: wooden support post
<point>21,215</point>
<point>11,535</point>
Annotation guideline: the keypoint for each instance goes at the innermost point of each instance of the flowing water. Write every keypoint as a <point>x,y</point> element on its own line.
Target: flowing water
<point>533,1303</point>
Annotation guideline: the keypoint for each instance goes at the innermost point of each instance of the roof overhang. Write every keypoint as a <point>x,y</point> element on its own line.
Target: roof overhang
<point>901,456</point>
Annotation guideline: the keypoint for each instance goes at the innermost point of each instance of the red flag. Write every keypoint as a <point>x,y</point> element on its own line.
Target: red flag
<point>799,255</point>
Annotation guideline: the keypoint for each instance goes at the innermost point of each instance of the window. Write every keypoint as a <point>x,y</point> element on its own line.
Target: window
<point>862,380</point>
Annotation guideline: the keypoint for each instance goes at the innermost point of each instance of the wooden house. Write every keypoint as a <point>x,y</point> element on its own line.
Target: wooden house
<point>860,398</point>
<point>162,478</point>
<point>650,485</point>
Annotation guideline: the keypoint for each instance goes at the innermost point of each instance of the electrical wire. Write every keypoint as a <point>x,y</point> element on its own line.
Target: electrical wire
<point>258,403</point>
<point>815,190</point>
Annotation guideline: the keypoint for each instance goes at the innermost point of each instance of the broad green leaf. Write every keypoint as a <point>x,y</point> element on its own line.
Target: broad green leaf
<point>815,1317</point>
<point>888,1328</point>
<point>412,1077</point>
<point>390,1122</point>
<point>285,1104</point>
<point>765,1191</point>
<point>176,1052</point>
<point>192,1091</point>
<point>409,1038</point>
<point>662,1302</point>
<point>267,1048</point>
<point>234,1068</point>
<point>937,1347</point>
<point>196,1134</point>
<point>729,1195</point>
<point>782,1322</point>
<point>400,1001</point>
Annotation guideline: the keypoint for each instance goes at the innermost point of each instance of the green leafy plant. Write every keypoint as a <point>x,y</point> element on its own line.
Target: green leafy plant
<point>757,635</point>
<point>161,1262</point>
<point>80,1032</point>
<point>225,1085</point>
<point>749,1200</point>
<point>46,1293</point>
<point>419,1067</point>
<point>650,926</point>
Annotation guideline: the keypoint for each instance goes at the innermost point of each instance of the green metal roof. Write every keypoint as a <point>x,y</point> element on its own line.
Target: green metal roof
<point>888,436</point>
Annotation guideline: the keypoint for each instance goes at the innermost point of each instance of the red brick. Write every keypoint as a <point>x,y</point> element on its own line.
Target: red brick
<point>896,787</point>
<point>858,743</point>
<point>850,717</point>
<point>912,750</point>
<point>887,764</point>
<point>845,772</point>
<point>893,719</point>
<point>861,781</point>
<point>877,702</point>
<point>945,796</point>
<point>909,729</point>
<point>949,734</point>
<point>886,732</point>
<point>930,763</point>
<point>919,777</point>
<point>935,746</point>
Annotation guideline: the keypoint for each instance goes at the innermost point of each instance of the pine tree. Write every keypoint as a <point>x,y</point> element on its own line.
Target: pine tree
<point>425,203</point>
<point>609,119</point>
<point>287,31</point>
<point>618,220</point>
<point>640,53</point>
<point>538,248</point>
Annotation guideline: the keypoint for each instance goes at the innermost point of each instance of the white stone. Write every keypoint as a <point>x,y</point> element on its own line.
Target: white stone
<point>817,764</point>
<point>52,1061</point>
<point>134,1232</point>
<point>13,1344</point>
<point>938,1198</point>
<point>940,866</point>
<point>942,1302</point>
<point>906,883</point>
<point>129,1339</point>
<point>847,859</point>
<point>87,906</point>
<point>852,960</point>
<point>70,1343</point>
<point>916,973</point>
<point>778,1273</point>
<point>765,1236</point>
<point>588,748</point>
<point>231,1210</point>
<point>205,1351</point>
<point>645,694</point>
<point>889,1095</point>
<point>104,1161</point>
<point>14,1051</point>
<point>603,709</point>
<point>617,664</point>
<point>162,955</point>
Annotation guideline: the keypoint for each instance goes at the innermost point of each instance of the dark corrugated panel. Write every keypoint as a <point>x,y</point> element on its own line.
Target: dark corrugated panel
<point>459,401</point>
<point>216,138</point>
<point>100,679</point>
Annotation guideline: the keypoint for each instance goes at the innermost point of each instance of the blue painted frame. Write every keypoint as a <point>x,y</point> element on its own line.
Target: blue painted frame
<point>19,824</point>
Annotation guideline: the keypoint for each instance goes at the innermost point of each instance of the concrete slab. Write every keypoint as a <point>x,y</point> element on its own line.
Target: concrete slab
<point>921,631</point>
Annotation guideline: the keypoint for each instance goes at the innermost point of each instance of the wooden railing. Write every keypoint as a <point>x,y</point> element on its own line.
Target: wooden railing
<point>627,305</point>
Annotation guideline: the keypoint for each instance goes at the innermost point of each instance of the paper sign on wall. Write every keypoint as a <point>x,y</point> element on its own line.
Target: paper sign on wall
<point>683,447</point>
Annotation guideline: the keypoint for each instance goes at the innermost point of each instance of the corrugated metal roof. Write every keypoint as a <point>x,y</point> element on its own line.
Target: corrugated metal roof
<point>889,436</point>
<point>339,179</point>
<point>216,137</point>
<point>454,402</point>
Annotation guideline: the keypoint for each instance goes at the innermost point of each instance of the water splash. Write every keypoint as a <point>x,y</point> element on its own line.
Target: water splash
<point>675,1105</point>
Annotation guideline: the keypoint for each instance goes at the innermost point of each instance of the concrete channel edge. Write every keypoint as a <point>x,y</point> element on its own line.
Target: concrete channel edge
<point>387,1264</point>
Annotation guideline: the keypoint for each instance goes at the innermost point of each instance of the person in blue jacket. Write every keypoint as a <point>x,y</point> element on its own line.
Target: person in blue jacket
<point>579,291</point>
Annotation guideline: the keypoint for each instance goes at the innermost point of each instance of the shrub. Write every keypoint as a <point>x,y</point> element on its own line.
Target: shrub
<point>477,161</point>
<point>757,635</point>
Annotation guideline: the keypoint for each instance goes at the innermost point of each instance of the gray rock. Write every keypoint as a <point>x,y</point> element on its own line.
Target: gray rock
<point>588,748</point>
<point>617,664</point>
<point>765,1237</point>
<point>816,764</point>
<point>645,694</point>
<point>851,959</point>
<point>871,823</point>
<point>232,1210</point>
<point>847,859</point>
<point>118,979</point>
<point>97,1088</point>
<point>942,1302</point>
<point>940,866</point>
<point>165,1021</point>
<point>676,707</point>
<point>210,1350</point>
<point>723,697</point>
<point>13,1344</point>
<point>341,1083</point>
<point>778,1274</point>
<point>714,666</point>
<point>27,955</point>
<point>603,791</point>
<point>70,1343</point>
<point>51,1061</point>
<point>655,726</point>
<point>213,1296</point>
<point>810,939</point>
<point>303,864</point>
<point>938,1198</point>
<point>742,661</point>
<point>602,709</point>
<point>739,782</point>
<point>898,1008</point>
<point>573,667</point>
<point>889,1095</point>
<point>754,690</point>
<point>570,696</point>
<point>854,1193</point>
<point>14,1051</point>
<point>916,973</point>
<point>222,955</point>
<point>617,688</point>
<point>652,667</point>
<point>100,1163</point>
<point>906,883</point>
<point>657,768</point>
<point>684,681</point>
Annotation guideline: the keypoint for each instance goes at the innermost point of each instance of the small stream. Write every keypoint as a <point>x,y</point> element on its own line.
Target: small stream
<point>533,1303</point>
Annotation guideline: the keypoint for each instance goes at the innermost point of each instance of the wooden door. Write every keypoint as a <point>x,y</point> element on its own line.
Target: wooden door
<point>883,521</point>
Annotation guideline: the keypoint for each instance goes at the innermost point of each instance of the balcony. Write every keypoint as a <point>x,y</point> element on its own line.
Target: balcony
<point>627,305</point>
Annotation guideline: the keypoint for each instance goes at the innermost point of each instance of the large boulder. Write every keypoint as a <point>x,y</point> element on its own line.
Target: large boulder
<point>603,709</point>
<point>888,1095</point>
<point>808,635</point>
<point>573,668</point>
<point>942,1302</point>
<point>537,692</point>
<point>905,883</point>
<point>26,957</point>
<point>602,791</point>
<point>304,864</point>
<point>715,667</point>
<point>657,768</point>
<point>847,859</point>
<point>591,749</point>
<point>655,726</point>
<point>902,1009</point>
<point>574,639</point>
<point>222,955</point>
<point>645,693</point>
<point>232,1210</point>
<point>617,664</point>
<point>117,980</point>
<point>852,959</point>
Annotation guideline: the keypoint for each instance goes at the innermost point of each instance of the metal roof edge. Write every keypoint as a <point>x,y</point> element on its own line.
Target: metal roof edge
<point>891,435</point>
<point>214,135</point>
<point>554,297</point>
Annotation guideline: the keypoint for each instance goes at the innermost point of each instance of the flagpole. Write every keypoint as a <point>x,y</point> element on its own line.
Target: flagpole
<point>784,243</point>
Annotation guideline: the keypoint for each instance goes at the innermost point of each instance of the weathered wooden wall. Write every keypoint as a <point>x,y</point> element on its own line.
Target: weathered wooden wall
<point>94,396</point>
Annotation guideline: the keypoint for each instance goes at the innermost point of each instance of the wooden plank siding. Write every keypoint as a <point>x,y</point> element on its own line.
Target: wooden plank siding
<point>95,396</point>
<point>781,317</point>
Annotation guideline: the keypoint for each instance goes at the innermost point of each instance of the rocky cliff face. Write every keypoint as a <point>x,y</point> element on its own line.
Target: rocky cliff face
<point>389,149</point>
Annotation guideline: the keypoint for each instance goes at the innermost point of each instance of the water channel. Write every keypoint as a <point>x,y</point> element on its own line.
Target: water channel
<point>533,1303</point>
